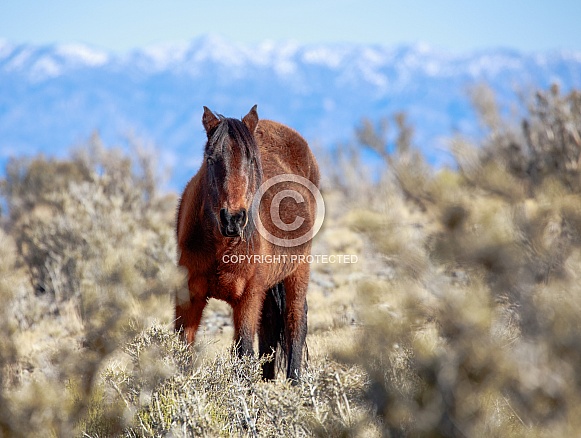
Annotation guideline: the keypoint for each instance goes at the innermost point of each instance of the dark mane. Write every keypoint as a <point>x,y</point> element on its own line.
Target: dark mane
<point>237,132</point>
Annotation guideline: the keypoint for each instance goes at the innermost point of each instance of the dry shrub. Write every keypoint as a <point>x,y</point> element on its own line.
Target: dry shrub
<point>468,303</point>
<point>87,269</point>
<point>95,259</point>
<point>478,333</point>
<point>547,144</point>
<point>355,168</point>
<point>170,391</point>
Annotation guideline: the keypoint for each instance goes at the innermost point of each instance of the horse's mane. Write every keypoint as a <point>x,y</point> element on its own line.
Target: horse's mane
<point>235,129</point>
<point>238,132</point>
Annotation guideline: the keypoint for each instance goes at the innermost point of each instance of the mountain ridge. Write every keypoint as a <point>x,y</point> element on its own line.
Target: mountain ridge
<point>54,96</point>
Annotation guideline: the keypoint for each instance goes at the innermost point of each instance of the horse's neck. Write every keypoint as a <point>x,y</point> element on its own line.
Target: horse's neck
<point>193,225</point>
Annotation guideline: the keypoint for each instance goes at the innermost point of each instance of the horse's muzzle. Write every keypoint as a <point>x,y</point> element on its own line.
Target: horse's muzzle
<point>232,224</point>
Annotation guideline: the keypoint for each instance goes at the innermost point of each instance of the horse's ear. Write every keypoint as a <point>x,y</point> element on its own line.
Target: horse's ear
<point>251,119</point>
<point>209,120</point>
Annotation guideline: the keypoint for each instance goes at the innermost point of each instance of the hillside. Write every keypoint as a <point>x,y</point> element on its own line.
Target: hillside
<point>54,97</point>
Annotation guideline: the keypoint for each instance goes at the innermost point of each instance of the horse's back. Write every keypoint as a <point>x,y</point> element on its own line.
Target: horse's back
<point>284,150</point>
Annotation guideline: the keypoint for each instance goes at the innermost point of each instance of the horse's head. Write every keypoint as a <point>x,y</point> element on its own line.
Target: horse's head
<point>234,170</point>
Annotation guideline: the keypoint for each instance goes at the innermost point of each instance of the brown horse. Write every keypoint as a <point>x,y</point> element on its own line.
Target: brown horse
<point>243,241</point>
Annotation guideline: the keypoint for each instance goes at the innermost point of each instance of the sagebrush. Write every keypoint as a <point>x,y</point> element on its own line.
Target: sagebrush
<point>461,317</point>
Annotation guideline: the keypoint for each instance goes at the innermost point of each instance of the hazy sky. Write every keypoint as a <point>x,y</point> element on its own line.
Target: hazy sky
<point>455,25</point>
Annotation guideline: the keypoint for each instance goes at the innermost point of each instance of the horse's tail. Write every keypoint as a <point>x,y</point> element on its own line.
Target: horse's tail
<point>272,332</point>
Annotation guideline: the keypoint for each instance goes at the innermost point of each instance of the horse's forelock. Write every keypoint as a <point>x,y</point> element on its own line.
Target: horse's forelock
<point>218,136</point>
<point>243,137</point>
<point>237,131</point>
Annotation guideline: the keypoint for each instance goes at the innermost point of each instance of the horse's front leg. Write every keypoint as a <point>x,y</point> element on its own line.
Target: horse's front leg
<point>296,286</point>
<point>188,317</point>
<point>189,312</point>
<point>246,319</point>
<point>270,332</point>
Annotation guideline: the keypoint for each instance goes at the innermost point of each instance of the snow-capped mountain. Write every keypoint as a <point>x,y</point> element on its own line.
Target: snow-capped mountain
<point>54,97</point>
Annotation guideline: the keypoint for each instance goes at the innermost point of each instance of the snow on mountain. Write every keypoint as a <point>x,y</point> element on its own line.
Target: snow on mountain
<point>53,97</point>
<point>81,54</point>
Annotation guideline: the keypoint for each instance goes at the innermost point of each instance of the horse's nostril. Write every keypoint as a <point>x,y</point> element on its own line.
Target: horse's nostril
<point>242,218</point>
<point>224,217</point>
<point>239,218</point>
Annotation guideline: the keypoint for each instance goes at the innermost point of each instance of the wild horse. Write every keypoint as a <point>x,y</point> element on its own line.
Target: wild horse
<point>244,229</point>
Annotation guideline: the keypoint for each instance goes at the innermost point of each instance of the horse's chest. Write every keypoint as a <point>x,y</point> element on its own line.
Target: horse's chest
<point>229,283</point>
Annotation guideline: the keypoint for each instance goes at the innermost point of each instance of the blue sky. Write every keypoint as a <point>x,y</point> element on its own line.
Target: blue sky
<point>454,25</point>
